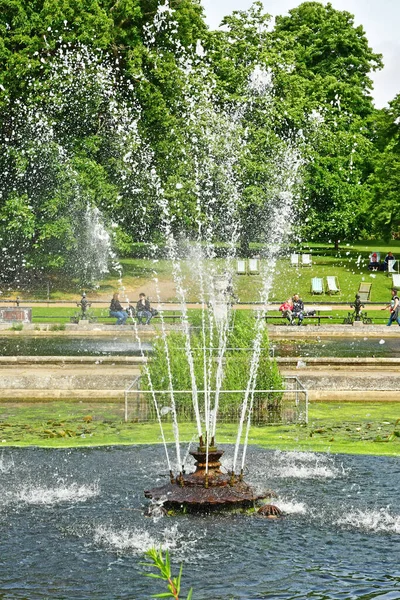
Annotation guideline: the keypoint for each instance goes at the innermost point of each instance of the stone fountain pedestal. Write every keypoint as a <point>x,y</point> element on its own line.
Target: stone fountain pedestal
<point>206,489</point>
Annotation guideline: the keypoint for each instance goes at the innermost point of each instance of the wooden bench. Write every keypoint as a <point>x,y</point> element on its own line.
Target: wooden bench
<point>312,318</point>
<point>170,316</point>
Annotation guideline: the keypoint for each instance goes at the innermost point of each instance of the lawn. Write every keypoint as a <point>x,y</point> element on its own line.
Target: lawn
<point>353,428</point>
<point>61,315</point>
<point>349,265</point>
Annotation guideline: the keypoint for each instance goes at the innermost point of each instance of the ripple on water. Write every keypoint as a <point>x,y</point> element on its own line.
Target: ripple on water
<point>140,540</point>
<point>304,465</point>
<point>42,495</point>
<point>371,520</point>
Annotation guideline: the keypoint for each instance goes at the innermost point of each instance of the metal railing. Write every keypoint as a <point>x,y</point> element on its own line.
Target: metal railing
<point>273,406</point>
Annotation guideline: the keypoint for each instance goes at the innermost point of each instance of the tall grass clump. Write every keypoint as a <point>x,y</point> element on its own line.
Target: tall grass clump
<point>169,368</point>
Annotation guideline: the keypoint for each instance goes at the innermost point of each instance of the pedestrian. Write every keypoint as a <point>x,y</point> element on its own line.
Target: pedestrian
<point>117,311</point>
<point>394,308</point>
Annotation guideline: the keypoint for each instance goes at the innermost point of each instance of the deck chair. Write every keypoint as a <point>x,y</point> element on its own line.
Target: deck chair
<point>364,291</point>
<point>253,266</point>
<point>391,264</point>
<point>332,285</point>
<point>294,260</point>
<point>396,281</point>
<point>241,267</point>
<point>306,260</point>
<point>317,285</point>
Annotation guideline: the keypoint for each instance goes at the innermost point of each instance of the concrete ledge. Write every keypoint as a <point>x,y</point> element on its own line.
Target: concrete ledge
<point>353,396</point>
<point>35,395</point>
<point>312,362</point>
<point>81,395</point>
<point>72,360</point>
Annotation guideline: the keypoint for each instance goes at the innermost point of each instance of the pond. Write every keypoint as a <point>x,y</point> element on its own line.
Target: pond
<point>73,527</point>
<point>70,346</point>
<point>339,347</point>
<point>127,346</point>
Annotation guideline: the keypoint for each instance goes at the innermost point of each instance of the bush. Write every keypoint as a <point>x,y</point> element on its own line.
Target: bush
<point>169,367</point>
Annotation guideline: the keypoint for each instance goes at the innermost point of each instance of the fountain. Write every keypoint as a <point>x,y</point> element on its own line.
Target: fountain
<point>72,519</point>
<point>207,488</point>
<point>216,138</point>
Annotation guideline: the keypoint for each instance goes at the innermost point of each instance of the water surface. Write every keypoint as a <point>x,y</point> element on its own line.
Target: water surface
<point>70,346</point>
<point>73,527</point>
<point>128,346</point>
<point>339,347</point>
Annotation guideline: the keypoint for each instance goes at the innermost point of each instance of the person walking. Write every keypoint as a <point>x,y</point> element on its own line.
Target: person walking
<point>117,311</point>
<point>394,308</point>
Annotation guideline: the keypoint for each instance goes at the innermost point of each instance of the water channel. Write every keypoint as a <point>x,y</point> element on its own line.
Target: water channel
<point>127,346</point>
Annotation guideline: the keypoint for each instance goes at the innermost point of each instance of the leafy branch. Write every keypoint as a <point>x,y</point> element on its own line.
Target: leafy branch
<point>164,567</point>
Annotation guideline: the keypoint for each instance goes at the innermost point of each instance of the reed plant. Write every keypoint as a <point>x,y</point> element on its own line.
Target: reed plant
<point>169,369</point>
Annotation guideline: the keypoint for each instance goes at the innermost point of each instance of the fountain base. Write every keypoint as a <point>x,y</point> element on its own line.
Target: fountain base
<point>207,488</point>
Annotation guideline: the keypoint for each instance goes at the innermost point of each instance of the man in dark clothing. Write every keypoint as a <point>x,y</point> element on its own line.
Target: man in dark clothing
<point>143,310</point>
<point>297,310</point>
<point>388,258</point>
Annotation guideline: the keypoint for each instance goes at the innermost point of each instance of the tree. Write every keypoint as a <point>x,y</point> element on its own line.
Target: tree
<point>333,59</point>
<point>383,212</point>
<point>88,103</point>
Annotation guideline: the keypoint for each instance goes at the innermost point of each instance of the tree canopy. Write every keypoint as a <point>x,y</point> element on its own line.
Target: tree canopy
<point>126,110</point>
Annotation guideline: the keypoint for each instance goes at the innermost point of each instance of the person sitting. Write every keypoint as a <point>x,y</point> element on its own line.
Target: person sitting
<point>117,311</point>
<point>374,264</point>
<point>388,258</point>
<point>286,309</point>
<point>143,310</point>
<point>297,310</point>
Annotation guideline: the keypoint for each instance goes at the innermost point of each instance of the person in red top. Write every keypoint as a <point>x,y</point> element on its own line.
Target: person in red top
<point>287,309</point>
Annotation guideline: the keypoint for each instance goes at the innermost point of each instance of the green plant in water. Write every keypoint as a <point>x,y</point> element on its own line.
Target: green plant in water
<point>58,327</point>
<point>163,566</point>
<point>396,431</point>
<point>169,360</point>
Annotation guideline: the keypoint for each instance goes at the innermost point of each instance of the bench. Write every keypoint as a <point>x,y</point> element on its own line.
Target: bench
<point>282,318</point>
<point>171,316</point>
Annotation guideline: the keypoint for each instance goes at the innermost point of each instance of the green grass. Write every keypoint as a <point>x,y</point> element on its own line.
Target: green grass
<point>349,265</point>
<point>61,315</point>
<point>352,428</point>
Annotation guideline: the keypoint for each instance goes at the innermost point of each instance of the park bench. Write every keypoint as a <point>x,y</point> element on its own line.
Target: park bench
<point>281,318</point>
<point>167,315</point>
<point>171,316</point>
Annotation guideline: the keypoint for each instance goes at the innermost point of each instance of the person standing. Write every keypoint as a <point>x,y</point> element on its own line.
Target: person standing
<point>117,311</point>
<point>297,310</point>
<point>394,309</point>
<point>143,310</point>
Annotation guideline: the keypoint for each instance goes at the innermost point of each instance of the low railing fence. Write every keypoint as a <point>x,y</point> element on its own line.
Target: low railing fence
<point>288,405</point>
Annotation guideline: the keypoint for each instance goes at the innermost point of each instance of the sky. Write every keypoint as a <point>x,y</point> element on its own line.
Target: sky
<point>379,18</point>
